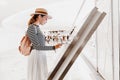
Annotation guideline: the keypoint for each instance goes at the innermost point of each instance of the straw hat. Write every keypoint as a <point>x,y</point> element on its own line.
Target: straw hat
<point>41,11</point>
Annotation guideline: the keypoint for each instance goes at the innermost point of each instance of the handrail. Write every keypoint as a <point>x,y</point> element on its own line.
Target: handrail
<point>78,43</point>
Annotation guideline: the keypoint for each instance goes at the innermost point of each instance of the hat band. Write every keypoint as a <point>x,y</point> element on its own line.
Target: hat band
<point>41,12</point>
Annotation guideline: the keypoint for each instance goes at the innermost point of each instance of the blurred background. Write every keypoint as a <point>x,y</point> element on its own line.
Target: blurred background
<point>100,57</point>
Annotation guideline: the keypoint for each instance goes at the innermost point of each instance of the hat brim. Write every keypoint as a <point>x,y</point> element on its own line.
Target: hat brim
<point>48,16</point>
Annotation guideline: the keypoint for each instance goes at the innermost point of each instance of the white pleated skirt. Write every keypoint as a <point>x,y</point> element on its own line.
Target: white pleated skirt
<point>37,65</point>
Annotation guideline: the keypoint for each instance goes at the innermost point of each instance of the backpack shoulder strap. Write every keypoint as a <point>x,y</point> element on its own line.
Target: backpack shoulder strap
<point>35,29</point>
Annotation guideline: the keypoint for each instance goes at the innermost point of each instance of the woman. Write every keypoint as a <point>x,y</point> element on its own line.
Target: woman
<point>37,63</point>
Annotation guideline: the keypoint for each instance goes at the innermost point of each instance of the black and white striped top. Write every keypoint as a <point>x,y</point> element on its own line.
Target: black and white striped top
<point>37,38</point>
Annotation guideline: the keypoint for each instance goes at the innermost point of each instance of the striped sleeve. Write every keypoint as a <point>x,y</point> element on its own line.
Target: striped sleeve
<point>35,41</point>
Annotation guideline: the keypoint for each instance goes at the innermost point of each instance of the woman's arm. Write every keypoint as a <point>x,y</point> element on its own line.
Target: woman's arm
<point>34,39</point>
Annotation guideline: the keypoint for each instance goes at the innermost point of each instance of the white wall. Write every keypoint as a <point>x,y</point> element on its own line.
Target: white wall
<point>107,36</point>
<point>115,25</point>
<point>102,51</point>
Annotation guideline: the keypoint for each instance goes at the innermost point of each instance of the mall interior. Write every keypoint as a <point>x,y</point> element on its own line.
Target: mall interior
<point>89,31</point>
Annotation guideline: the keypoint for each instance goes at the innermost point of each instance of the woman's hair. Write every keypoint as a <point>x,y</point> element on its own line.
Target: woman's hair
<point>33,19</point>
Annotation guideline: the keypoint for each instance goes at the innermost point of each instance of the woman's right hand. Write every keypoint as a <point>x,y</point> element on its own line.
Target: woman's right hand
<point>58,46</point>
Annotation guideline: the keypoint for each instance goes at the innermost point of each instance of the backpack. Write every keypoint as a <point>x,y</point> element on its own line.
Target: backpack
<point>25,46</point>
